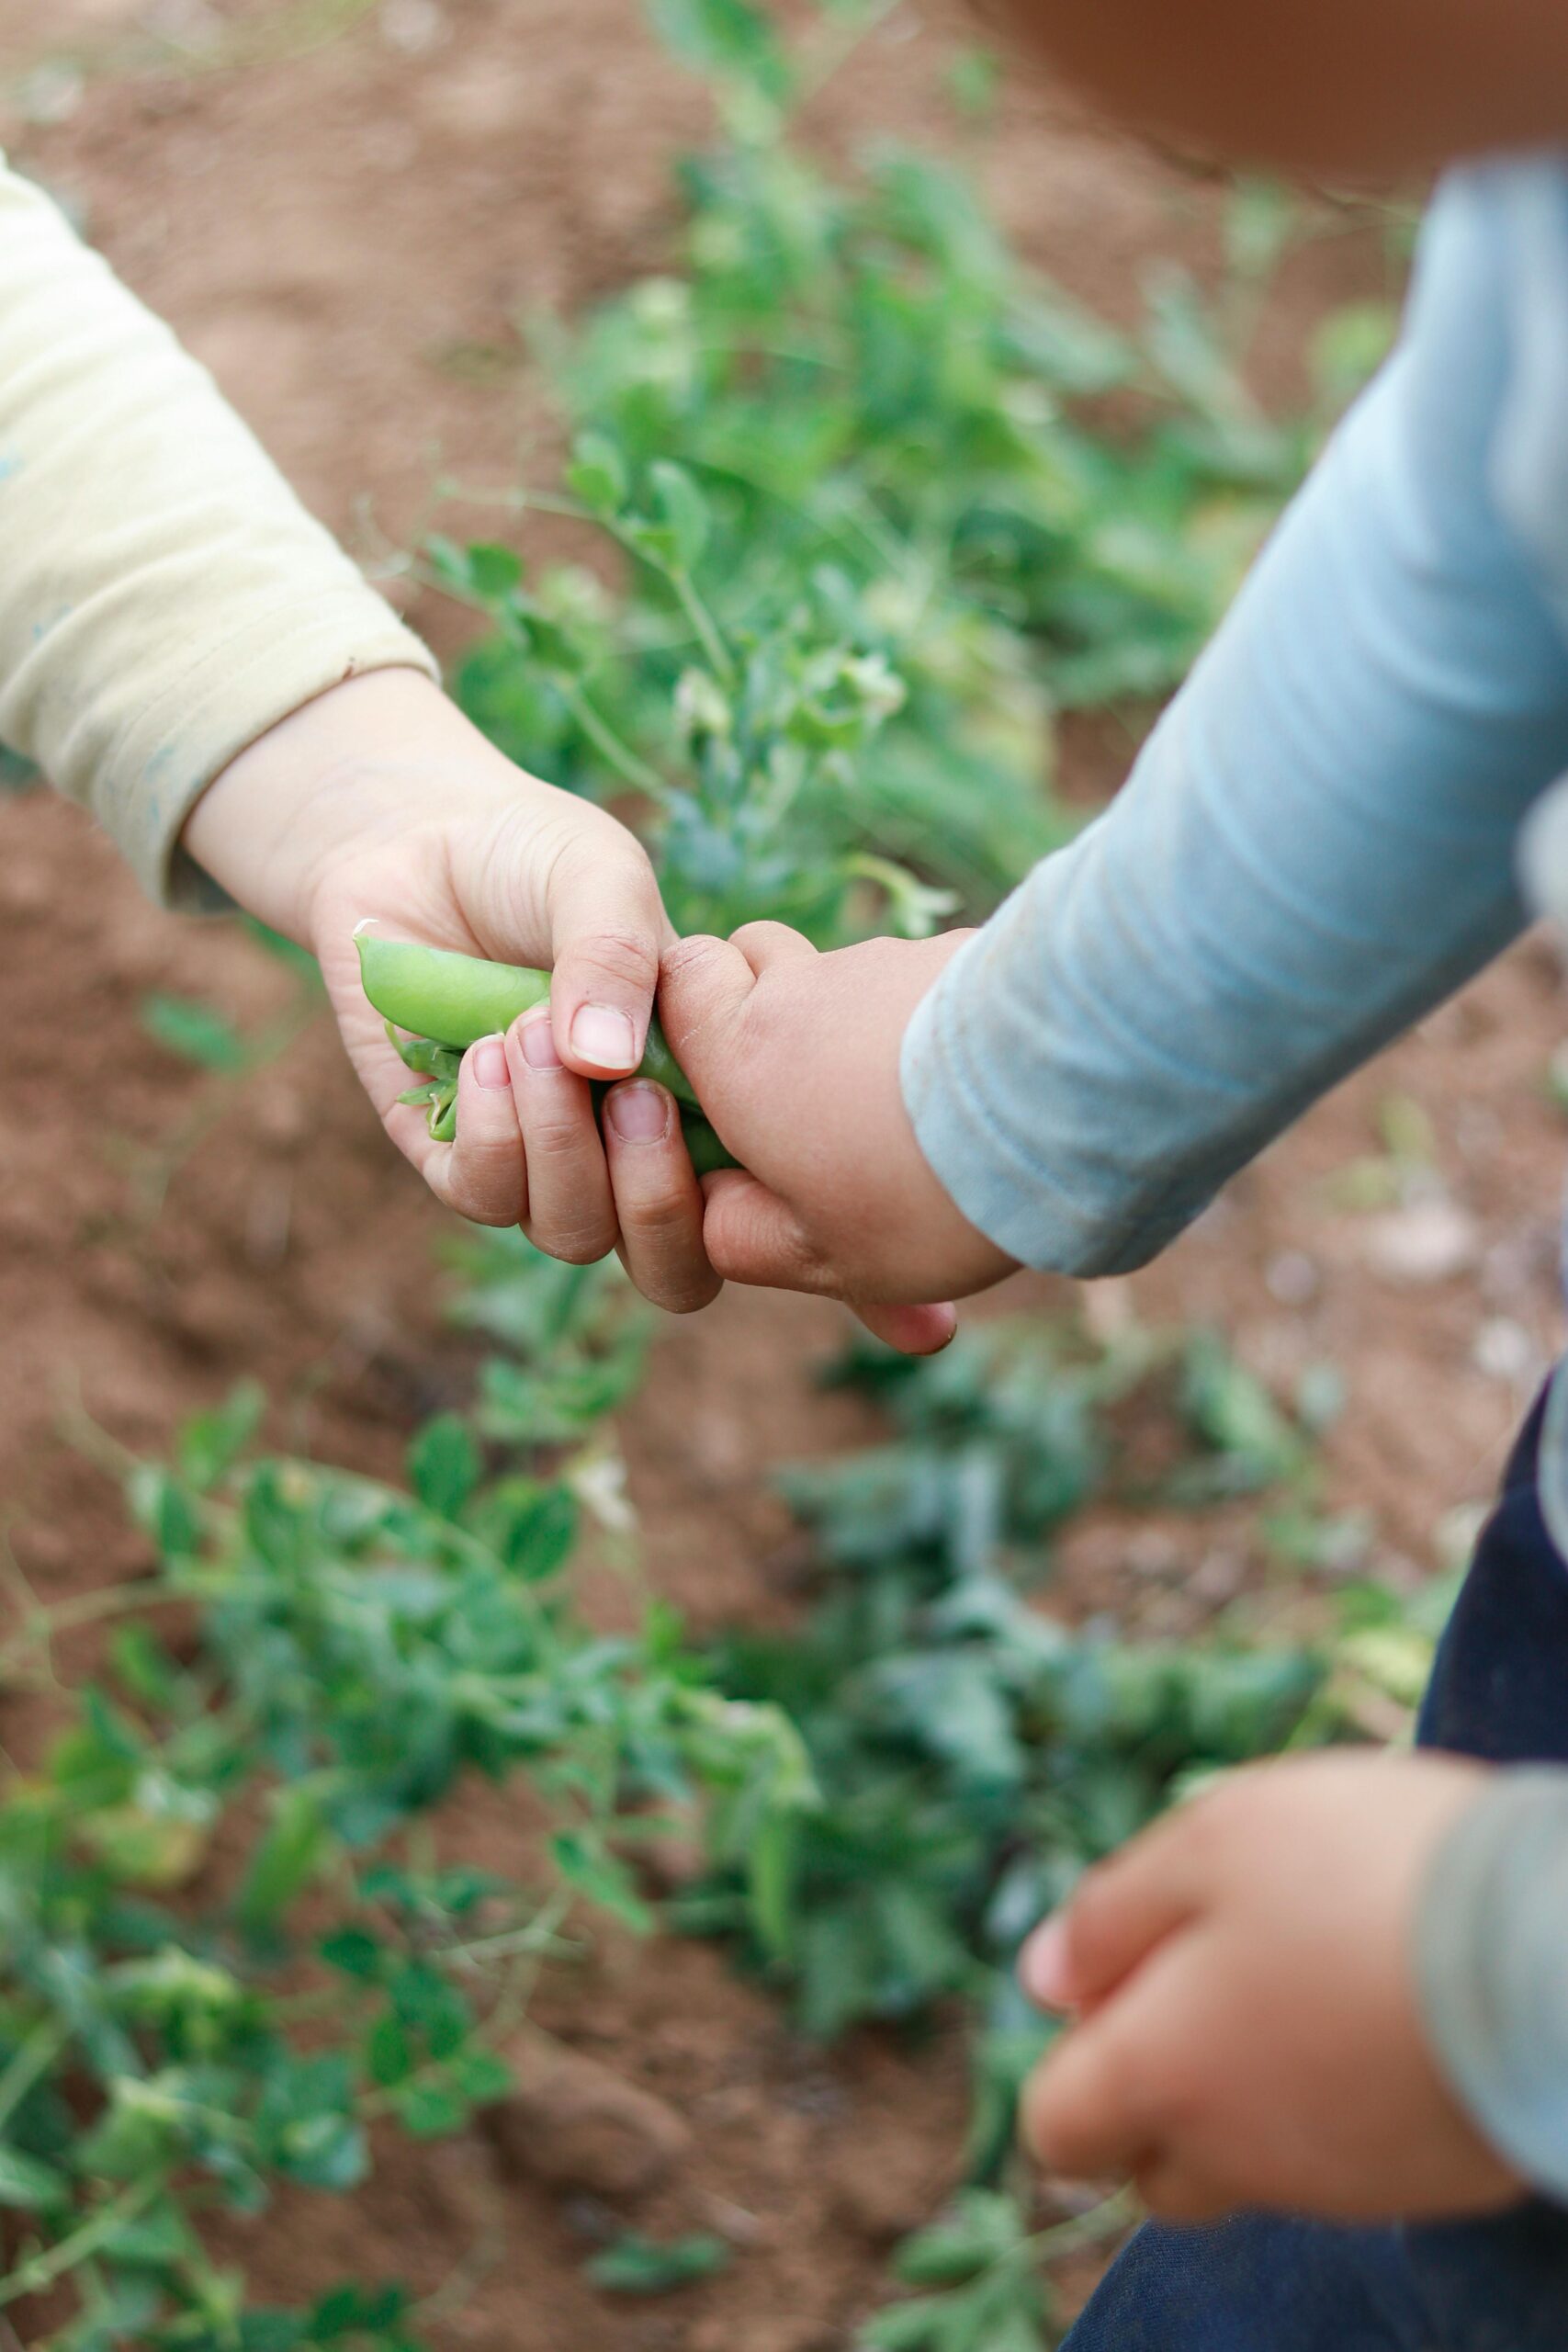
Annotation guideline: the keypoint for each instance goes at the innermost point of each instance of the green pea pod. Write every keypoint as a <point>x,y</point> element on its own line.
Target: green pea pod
<point>448,1003</point>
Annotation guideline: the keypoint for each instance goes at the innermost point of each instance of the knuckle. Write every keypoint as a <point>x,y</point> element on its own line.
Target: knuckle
<point>662,1219</point>
<point>622,954</point>
<point>688,959</point>
<point>484,1184</point>
<point>556,1134</point>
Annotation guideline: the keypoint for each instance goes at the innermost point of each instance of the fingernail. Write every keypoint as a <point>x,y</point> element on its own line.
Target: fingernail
<point>490,1063</point>
<point>637,1114</point>
<point>1046,1969</point>
<point>537,1039</point>
<point>603,1035</point>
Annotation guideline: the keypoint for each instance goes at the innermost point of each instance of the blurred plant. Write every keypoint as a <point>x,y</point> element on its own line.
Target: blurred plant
<point>876,530</point>
<point>229,1938</point>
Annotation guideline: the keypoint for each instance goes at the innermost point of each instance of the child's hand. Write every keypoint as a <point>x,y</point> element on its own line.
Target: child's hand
<point>379,799</point>
<point>794,1057</point>
<point>1247,2032</point>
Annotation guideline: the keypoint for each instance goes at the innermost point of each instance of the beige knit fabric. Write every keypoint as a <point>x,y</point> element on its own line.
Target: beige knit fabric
<point>165,598</point>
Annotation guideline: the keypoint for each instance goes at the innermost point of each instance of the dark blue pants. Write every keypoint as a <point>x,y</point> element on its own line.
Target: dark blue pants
<point>1265,2283</point>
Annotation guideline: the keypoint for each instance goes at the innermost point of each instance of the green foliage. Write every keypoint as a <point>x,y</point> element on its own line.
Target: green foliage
<point>981,2277</point>
<point>355,1650</point>
<point>197,1032</point>
<point>874,533</point>
<point>981,2284</point>
<point>972,1753</point>
<point>635,2264</point>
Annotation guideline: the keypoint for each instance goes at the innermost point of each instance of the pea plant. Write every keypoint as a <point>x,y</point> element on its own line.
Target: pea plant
<point>972,1753</point>
<point>870,535</point>
<point>237,1926</point>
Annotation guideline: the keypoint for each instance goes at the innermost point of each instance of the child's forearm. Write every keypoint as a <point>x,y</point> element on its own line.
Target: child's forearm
<point>1314,847</point>
<point>164,599</point>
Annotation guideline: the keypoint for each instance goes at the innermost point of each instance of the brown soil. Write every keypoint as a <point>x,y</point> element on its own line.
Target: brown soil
<point>347,236</point>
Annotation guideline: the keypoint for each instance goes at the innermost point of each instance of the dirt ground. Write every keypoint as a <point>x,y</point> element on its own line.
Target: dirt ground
<point>347,233</point>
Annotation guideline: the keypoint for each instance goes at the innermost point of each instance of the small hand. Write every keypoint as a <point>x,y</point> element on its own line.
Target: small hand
<point>379,799</point>
<point>795,1056</point>
<point>1247,2032</point>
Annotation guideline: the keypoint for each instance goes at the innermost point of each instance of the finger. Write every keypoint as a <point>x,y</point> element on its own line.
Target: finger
<point>607,929</point>
<point>659,1203</point>
<point>753,1237</point>
<point>568,1209</point>
<point>766,945</point>
<point>913,1330</point>
<point>1087,2110</point>
<point>1117,1916</point>
<point>481,1175</point>
<point>704,986</point>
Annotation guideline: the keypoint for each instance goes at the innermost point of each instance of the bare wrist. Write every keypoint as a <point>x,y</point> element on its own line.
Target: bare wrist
<point>350,768</point>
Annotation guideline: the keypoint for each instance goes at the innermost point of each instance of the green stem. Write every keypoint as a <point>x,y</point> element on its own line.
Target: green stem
<point>43,2269</point>
<point>620,755</point>
<point>720,659</point>
<point>1101,2220</point>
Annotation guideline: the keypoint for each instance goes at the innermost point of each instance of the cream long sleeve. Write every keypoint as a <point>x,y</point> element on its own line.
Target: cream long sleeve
<point>165,598</point>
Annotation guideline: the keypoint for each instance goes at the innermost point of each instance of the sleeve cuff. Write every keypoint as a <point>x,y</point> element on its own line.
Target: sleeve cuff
<point>961,1061</point>
<point>236,687</point>
<point>1492,1976</point>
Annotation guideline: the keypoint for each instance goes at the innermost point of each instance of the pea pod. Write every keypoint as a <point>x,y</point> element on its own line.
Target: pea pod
<point>448,1003</point>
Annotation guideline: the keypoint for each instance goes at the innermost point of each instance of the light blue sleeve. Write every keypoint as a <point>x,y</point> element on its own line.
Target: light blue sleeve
<point>1491,1927</point>
<point>1317,842</point>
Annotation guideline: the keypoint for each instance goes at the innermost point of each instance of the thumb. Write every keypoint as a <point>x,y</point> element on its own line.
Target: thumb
<point>912,1330</point>
<point>607,929</point>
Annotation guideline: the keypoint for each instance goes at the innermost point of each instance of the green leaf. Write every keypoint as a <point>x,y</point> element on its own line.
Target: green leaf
<point>165,1509</point>
<point>597,474</point>
<point>325,2151</point>
<point>981,2226</point>
<point>354,1950</point>
<point>602,1877</point>
<point>29,2185</point>
<point>727,39</point>
<point>482,2075</point>
<point>389,2054</point>
<point>210,1443</point>
<point>684,510</point>
<point>431,2109</point>
<point>289,952</point>
<point>284,1863</point>
<point>635,2264</point>
<point>197,1032</point>
<point>906,2327</point>
<point>444,1464</point>
<point>494,572</point>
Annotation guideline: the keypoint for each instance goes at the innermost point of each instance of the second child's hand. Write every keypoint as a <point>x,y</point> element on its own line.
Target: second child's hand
<point>796,1058</point>
<point>1247,2032</point>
